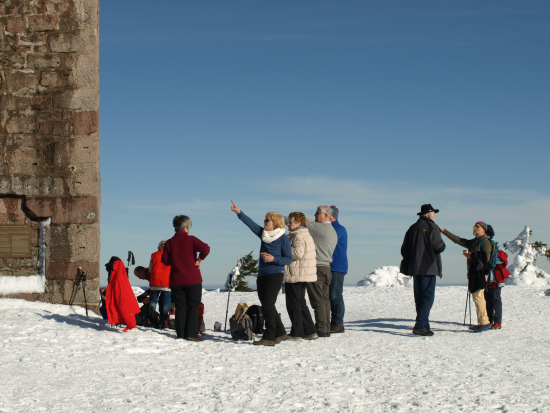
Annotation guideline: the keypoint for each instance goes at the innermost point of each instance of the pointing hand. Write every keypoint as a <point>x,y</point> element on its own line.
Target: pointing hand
<point>234,208</point>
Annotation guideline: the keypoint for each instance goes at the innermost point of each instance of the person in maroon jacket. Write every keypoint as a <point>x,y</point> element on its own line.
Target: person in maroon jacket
<point>180,253</point>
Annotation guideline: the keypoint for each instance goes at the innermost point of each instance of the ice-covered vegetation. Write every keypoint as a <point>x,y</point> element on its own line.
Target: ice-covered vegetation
<point>524,270</point>
<point>387,276</point>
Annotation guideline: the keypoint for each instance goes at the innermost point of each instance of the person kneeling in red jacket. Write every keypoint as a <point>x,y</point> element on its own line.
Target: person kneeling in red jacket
<point>180,254</point>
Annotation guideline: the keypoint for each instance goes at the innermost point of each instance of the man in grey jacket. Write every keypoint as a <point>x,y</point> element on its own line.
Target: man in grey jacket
<point>325,239</point>
<point>421,251</point>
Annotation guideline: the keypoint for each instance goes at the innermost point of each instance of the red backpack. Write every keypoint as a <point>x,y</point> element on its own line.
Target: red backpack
<point>500,272</point>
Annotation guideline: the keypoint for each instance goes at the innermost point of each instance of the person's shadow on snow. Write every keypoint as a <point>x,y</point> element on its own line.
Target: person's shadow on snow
<point>99,324</point>
<point>79,321</point>
<point>393,326</point>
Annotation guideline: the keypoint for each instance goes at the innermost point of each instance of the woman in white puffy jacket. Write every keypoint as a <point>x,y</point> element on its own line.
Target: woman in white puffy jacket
<point>298,274</point>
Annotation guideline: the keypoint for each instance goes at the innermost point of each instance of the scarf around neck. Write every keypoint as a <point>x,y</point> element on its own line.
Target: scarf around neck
<point>269,236</point>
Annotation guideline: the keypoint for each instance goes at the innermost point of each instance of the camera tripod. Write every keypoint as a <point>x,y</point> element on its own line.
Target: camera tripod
<point>80,279</point>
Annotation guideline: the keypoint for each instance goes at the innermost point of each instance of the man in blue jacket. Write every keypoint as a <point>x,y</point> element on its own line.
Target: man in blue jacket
<point>339,269</point>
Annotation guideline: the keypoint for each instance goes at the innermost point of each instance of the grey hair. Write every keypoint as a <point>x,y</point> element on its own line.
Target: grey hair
<point>325,210</point>
<point>182,221</point>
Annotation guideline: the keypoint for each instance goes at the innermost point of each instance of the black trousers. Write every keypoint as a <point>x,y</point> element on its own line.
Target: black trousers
<point>298,311</point>
<point>187,299</point>
<point>494,304</point>
<point>268,289</point>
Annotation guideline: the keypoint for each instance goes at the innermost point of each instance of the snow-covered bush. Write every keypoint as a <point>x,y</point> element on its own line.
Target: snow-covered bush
<point>246,266</point>
<point>230,282</point>
<point>387,276</point>
<point>524,270</point>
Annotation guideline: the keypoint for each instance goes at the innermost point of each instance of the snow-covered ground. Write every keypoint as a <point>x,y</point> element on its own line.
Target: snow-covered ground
<point>57,360</point>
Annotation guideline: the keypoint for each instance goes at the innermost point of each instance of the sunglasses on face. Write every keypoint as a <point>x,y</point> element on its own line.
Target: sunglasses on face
<point>267,220</point>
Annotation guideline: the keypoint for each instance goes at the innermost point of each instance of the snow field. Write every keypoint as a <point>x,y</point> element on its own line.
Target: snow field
<point>57,360</point>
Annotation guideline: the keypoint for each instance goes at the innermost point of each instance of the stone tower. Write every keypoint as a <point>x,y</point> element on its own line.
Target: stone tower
<point>49,140</point>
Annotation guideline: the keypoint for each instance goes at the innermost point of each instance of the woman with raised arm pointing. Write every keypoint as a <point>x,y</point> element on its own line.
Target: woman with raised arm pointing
<point>275,253</point>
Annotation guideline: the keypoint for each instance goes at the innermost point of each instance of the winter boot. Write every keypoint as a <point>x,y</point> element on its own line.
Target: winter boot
<point>336,329</point>
<point>292,338</point>
<point>264,342</point>
<point>482,328</point>
<point>197,339</point>
<point>427,333</point>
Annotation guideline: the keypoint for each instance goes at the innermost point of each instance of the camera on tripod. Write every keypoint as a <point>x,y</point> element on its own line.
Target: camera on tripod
<point>79,279</point>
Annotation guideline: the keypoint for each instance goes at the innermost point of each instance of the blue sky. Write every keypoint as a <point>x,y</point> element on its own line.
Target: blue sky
<point>374,106</point>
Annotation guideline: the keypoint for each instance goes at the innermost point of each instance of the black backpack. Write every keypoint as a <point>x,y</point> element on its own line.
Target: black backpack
<point>257,318</point>
<point>148,318</point>
<point>242,329</point>
<point>154,320</point>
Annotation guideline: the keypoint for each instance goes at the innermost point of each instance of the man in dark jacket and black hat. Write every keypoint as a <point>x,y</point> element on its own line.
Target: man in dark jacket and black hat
<point>421,251</point>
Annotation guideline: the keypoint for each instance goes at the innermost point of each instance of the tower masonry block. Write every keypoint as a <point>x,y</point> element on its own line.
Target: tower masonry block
<point>49,135</point>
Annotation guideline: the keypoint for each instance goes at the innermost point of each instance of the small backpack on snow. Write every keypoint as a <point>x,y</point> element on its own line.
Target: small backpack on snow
<point>257,318</point>
<point>240,324</point>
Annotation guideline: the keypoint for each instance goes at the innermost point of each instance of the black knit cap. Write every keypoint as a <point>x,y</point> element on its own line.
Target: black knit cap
<point>424,209</point>
<point>490,231</point>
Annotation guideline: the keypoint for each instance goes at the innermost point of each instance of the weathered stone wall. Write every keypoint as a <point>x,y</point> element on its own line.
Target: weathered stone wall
<point>49,137</point>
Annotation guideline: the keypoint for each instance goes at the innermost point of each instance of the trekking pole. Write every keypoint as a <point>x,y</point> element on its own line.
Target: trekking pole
<point>228,295</point>
<point>83,275</point>
<point>466,306</point>
<point>470,306</point>
<point>131,259</point>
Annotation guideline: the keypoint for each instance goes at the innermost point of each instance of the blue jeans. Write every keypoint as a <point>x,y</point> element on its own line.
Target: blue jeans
<point>337,307</point>
<point>165,301</point>
<point>424,293</point>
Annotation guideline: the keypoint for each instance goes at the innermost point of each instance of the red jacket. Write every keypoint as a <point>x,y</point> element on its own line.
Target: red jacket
<point>160,273</point>
<point>180,253</point>
<point>120,300</point>
<point>500,272</point>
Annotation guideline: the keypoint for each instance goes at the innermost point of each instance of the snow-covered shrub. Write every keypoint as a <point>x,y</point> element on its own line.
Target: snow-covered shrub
<point>230,282</point>
<point>524,270</point>
<point>387,276</point>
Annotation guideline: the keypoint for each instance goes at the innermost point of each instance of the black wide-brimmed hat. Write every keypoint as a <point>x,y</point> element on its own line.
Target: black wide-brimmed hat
<point>424,209</point>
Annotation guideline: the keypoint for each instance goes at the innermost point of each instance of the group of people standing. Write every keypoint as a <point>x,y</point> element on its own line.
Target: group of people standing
<point>174,276</point>
<point>312,258</point>
<point>421,252</point>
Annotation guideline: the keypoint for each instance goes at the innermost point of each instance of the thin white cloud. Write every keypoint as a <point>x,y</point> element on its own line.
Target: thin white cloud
<point>196,206</point>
